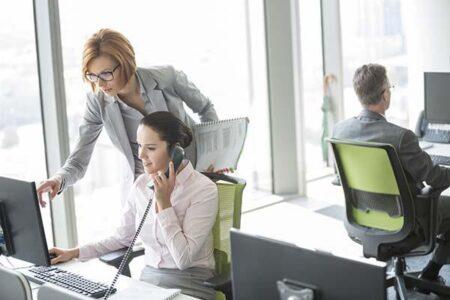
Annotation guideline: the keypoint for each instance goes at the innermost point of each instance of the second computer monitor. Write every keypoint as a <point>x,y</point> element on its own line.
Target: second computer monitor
<point>258,264</point>
<point>437,97</point>
<point>24,222</point>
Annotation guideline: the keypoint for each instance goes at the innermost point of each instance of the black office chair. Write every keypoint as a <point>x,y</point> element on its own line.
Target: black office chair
<point>382,213</point>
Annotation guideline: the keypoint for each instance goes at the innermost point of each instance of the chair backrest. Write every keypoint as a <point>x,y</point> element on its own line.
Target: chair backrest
<point>379,203</point>
<point>53,292</point>
<point>230,191</point>
<point>14,286</point>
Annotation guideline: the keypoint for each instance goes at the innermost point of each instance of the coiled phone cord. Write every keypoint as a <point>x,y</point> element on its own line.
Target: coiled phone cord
<point>128,252</point>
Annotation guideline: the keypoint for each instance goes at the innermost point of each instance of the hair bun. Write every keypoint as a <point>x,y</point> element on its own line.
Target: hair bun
<point>170,128</point>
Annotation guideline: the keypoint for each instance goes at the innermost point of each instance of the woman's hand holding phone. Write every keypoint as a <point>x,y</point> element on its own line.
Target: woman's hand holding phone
<point>164,187</point>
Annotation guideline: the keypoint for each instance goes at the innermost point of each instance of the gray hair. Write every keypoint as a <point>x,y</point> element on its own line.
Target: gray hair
<point>369,82</point>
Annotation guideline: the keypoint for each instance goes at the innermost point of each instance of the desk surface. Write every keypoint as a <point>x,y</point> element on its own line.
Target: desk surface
<point>97,271</point>
<point>438,149</point>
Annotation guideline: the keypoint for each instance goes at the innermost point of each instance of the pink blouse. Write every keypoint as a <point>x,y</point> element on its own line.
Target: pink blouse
<point>176,237</point>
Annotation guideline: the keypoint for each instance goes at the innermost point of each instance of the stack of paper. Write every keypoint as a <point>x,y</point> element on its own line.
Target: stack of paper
<point>139,290</point>
<point>220,143</point>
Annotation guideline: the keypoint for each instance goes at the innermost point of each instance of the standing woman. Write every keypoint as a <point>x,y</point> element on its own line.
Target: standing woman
<point>122,94</point>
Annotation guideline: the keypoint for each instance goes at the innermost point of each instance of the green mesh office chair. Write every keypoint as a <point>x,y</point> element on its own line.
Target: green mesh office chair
<point>230,190</point>
<point>382,210</point>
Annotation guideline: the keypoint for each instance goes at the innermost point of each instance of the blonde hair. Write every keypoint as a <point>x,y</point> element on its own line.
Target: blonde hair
<point>113,44</point>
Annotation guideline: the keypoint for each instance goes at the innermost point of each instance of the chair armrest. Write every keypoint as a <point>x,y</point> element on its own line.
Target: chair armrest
<point>430,192</point>
<point>220,282</point>
<point>336,181</point>
<point>219,176</point>
<point>115,257</point>
<point>427,206</point>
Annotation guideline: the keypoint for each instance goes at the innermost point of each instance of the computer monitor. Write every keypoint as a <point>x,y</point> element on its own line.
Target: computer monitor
<point>437,97</point>
<point>20,210</point>
<point>258,263</point>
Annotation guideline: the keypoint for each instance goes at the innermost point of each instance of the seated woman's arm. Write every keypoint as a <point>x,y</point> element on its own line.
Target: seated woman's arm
<point>121,238</point>
<point>184,240</point>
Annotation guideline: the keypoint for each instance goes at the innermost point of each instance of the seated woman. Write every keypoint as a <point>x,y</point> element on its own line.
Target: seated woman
<point>177,234</point>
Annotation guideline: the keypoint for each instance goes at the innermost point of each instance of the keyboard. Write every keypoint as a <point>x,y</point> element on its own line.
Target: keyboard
<point>437,136</point>
<point>69,280</point>
<point>440,160</point>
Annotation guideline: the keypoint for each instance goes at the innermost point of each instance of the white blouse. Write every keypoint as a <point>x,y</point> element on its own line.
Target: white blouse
<point>177,237</point>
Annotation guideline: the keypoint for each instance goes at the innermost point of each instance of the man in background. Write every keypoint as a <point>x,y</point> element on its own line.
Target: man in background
<point>373,89</point>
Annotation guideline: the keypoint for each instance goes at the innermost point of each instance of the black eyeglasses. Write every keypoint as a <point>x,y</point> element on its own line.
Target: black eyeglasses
<point>105,76</point>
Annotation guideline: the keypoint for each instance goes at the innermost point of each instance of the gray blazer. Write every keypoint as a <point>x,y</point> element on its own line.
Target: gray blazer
<point>162,84</point>
<point>372,127</point>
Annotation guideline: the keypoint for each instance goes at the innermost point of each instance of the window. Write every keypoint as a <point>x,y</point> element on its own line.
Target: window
<point>211,48</point>
<point>372,32</point>
<point>312,71</point>
<point>22,153</point>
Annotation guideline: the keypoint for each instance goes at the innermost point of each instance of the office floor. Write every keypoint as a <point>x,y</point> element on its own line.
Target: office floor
<point>328,199</point>
<point>324,199</point>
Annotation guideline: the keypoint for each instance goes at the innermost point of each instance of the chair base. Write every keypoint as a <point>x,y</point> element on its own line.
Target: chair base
<point>222,283</point>
<point>402,281</point>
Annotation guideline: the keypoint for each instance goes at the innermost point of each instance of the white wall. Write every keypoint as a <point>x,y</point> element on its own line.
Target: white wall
<point>427,26</point>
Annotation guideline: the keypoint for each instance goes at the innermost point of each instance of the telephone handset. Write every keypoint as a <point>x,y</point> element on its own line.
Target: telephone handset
<point>176,153</point>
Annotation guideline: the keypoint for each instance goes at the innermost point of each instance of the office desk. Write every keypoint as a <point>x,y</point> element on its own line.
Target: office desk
<point>97,271</point>
<point>438,149</point>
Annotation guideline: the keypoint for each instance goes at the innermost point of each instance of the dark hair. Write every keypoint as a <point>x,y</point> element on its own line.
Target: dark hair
<point>170,128</point>
<point>369,83</point>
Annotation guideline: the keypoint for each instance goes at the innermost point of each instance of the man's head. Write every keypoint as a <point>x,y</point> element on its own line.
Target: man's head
<point>372,86</point>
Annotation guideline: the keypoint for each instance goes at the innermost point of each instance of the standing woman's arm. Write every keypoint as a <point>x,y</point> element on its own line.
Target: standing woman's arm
<point>76,164</point>
<point>193,98</point>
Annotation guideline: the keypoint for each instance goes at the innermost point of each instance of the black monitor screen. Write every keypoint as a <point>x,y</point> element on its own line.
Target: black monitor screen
<point>24,222</point>
<point>437,97</point>
<point>259,263</point>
